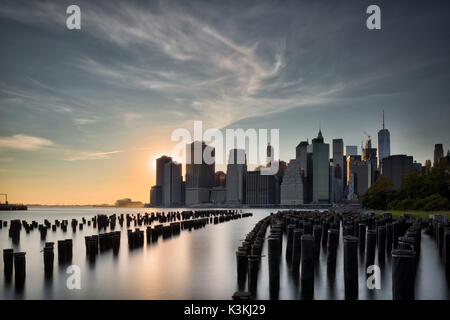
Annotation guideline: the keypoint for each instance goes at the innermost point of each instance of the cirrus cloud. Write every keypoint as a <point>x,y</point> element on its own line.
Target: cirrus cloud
<point>24,142</point>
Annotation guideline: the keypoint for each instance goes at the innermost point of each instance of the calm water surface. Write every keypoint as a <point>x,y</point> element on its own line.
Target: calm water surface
<point>194,265</point>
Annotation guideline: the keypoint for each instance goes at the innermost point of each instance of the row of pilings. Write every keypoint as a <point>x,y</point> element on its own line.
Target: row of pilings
<point>248,257</point>
<point>438,227</point>
<point>364,236</point>
<point>102,221</point>
<point>170,224</point>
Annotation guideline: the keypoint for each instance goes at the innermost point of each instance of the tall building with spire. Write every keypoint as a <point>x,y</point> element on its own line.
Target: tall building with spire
<point>384,143</point>
<point>318,170</point>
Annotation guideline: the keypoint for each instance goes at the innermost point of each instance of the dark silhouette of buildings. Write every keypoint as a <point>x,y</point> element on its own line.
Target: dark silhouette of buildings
<point>318,171</point>
<point>396,167</point>
<point>260,189</point>
<point>384,143</point>
<point>199,173</point>
<point>156,192</point>
<point>438,153</point>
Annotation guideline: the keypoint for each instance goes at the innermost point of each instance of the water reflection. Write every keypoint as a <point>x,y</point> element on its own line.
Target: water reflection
<point>197,264</point>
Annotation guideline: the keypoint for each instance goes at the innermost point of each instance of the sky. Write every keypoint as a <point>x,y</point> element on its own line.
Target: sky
<point>83,113</point>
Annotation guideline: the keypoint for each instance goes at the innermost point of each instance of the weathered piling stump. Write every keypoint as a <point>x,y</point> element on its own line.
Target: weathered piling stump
<point>307,228</point>
<point>289,242</point>
<point>381,239</point>
<point>325,228</point>
<point>348,230</point>
<point>297,250</point>
<point>406,243</point>
<point>274,265</point>
<point>440,237</point>
<point>242,263</point>
<point>49,257</point>
<point>317,234</point>
<point>253,268</point>
<point>43,231</point>
<point>19,268</point>
<point>371,238</point>
<point>333,242</point>
<point>116,242</point>
<point>307,266</point>
<point>69,249</point>
<point>403,274</point>
<point>362,236</point>
<point>396,233</point>
<point>242,296</point>
<point>62,251</point>
<point>8,262</point>
<point>389,236</point>
<point>447,252</point>
<point>351,267</point>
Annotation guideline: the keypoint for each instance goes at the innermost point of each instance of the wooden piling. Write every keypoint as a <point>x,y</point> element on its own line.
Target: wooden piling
<point>307,266</point>
<point>19,268</point>
<point>351,267</point>
<point>8,262</point>
<point>403,274</point>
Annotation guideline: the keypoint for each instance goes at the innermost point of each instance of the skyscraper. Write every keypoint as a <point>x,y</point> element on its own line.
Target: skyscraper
<point>156,192</point>
<point>351,150</point>
<point>370,156</point>
<point>199,173</point>
<point>160,162</point>
<point>301,152</point>
<point>236,172</point>
<point>292,185</point>
<point>260,189</point>
<point>396,167</point>
<point>384,143</point>
<point>358,176</point>
<point>337,176</point>
<point>438,153</point>
<point>172,184</point>
<point>319,155</point>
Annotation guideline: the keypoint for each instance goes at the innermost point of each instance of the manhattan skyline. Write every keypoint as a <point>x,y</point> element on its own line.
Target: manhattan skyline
<point>84,113</point>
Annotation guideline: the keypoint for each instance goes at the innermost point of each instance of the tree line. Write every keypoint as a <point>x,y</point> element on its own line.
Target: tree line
<point>427,190</point>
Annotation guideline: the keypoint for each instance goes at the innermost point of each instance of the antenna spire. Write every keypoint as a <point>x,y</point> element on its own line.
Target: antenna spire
<point>383,119</point>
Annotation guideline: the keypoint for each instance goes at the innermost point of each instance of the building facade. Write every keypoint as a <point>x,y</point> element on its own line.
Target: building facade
<point>292,191</point>
<point>260,189</point>
<point>358,175</point>
<point>438,153</point>
<point>199,173</point>
<point>172,187</point>
<point>396,167</point>
<point>156,191</point>
<point>236,174</point>
<point>319,156</point>
<point>301,155</point>
<point>337,171</point>
<point>351,150</point>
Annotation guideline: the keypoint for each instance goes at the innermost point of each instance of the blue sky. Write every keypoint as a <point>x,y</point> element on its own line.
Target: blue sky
<point>76,105</point>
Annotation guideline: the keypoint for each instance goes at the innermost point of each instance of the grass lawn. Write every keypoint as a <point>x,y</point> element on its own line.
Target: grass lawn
<point>418,213</point>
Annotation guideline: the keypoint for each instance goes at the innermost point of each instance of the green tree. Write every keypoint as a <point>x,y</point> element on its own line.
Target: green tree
<point>377,196</point>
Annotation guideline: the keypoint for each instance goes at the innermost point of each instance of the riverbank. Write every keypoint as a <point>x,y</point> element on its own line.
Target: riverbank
<point>12,207</point>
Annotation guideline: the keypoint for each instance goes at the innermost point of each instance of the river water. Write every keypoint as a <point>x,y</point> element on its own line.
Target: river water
<point>197,264</point>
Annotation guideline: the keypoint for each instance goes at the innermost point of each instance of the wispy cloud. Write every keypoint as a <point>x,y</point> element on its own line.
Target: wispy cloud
<point>83,121</point>
<point>77,156</point>
<point>6,159</point>
<point>24,142</point>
